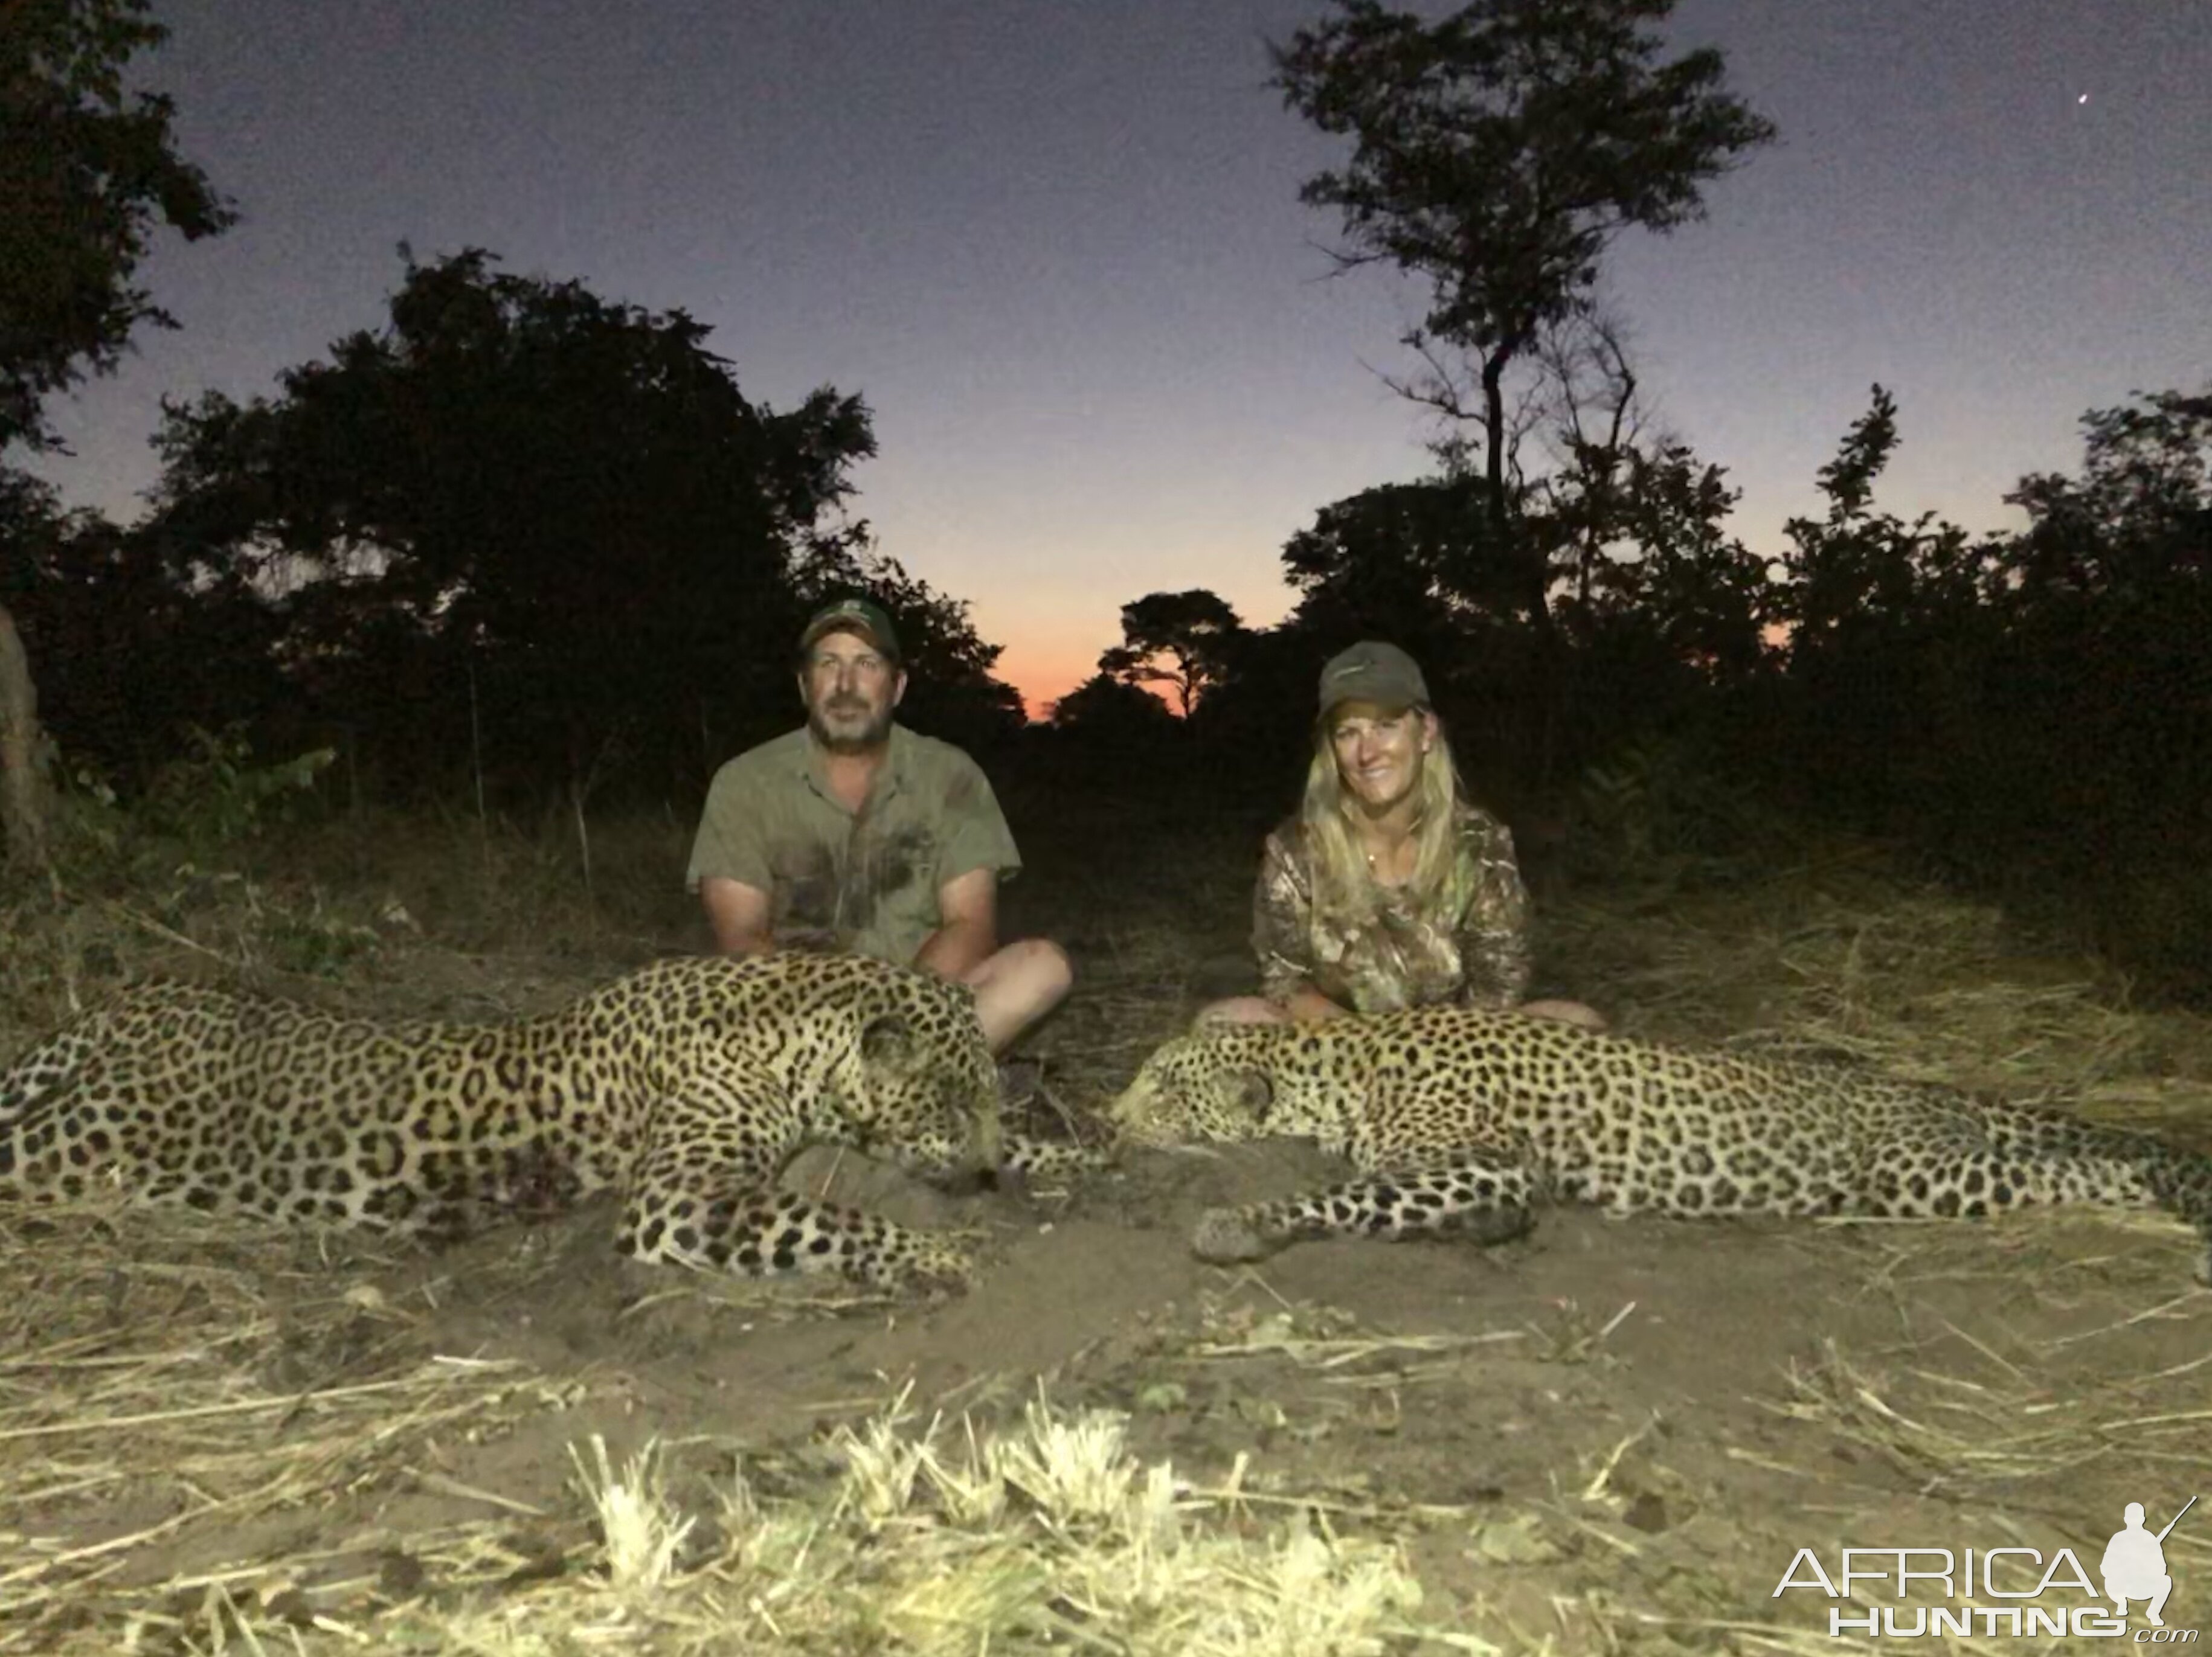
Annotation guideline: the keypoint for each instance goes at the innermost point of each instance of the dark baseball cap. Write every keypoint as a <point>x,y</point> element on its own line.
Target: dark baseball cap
<point>1373,672</point>
<point>853,615</point>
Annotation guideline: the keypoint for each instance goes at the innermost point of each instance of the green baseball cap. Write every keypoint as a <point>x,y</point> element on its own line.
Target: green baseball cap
<point>853,615</point>
<point>1373,672</point>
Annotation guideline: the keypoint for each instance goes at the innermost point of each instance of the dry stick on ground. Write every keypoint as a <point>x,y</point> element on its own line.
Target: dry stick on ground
<point>86,1412</point>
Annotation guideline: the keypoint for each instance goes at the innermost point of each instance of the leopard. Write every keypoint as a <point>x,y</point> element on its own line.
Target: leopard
<point>685,1087</point>
<point>1460,1122</point>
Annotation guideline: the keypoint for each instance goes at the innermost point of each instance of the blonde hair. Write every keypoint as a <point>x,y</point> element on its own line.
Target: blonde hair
<point>1345,889</point>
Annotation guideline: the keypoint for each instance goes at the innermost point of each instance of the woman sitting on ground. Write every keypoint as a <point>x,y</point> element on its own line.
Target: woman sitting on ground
<point>1388,888</point>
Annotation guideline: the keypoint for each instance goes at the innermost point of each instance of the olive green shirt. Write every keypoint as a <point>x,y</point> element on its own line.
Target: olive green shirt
<point>1471,948</point>
<point>864,881</point>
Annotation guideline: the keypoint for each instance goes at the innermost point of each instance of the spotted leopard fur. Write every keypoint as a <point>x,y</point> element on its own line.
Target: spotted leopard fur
<point>1460,1120</point>
<point>685,1087</point>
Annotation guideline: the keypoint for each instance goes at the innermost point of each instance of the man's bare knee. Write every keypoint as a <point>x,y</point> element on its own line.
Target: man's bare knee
<point>1046,965</point>
<point>1241,1010</point>
<point>1033,964</point>
<point>1019,985</point>
<point>1565,1012</point>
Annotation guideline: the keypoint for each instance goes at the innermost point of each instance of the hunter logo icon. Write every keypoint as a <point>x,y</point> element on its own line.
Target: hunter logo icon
<point>2134,1566</point>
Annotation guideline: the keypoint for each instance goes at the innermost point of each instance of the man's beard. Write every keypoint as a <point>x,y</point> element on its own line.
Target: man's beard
<point>872,736</point>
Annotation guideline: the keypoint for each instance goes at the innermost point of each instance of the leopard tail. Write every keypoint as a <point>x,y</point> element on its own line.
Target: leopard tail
<point>2181,1182</point>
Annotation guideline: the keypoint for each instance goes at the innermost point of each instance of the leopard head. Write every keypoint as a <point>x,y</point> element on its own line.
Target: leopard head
<point>1211,1084</point>
<point>920,1079</point>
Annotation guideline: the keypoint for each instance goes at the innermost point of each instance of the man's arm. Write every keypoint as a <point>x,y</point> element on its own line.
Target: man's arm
<point>968,928</point>
<point>730,867</point>
<point>738,914</point>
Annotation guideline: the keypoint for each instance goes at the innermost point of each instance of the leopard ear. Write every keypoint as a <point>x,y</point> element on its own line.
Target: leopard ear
<point>1253,1092</point>
<point>887,1039</point>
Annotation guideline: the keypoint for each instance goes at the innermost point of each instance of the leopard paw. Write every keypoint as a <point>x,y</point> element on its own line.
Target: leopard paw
<point>936,1264</point>
<point>1225,1236</point>
<point>1488,1226</point>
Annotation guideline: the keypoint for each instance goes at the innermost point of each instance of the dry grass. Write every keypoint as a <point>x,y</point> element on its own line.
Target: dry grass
<point>1908,979</point>
<point>209,1442</point>
<point>157,1388</point>
<point>952,1539</point>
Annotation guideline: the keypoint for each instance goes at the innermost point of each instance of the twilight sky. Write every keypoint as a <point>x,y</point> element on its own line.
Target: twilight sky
<point>1058,248</point>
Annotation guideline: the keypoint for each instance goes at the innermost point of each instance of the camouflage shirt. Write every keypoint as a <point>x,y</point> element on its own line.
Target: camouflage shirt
<point>1472,949</point>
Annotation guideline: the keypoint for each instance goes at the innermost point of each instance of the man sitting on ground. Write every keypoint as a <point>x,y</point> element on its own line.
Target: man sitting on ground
<point>854,833</point>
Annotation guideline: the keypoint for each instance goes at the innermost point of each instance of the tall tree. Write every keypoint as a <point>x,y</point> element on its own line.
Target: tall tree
<point>1113,710</point>
<point>1858,570</point>
<point>1407,562</point>
<point>1193,630</point>
<point>1498,154</point>
<point>2105,674</point>
<point>1679,576</point>
<point>2139,517</point>
<point>1887,631</point>
<point>85,174</point>
<point>88,173</point>
<point>544,526</point>
<point>23,769</point>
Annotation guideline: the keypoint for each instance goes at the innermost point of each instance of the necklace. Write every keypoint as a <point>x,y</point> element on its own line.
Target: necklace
<point>1380,862</point>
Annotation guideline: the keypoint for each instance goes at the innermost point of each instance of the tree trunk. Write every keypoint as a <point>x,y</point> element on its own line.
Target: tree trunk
<point>1530,568</point>
<point>1494,456</point>
<point>1531,571</point>
<point>22,757</point>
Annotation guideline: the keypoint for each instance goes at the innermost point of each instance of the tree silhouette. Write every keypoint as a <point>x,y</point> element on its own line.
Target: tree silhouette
<point>1400,562</point>
<point>2141,513</point>
<point>1856,568</point>
<point>1497,153</point>
<point>2101,690</point>
<point>1673,572</point>
<point>131,644</point>
<point>1113,710</point>
<point>86,173</point>
<point>522,527</point>
<point>1194,629</point>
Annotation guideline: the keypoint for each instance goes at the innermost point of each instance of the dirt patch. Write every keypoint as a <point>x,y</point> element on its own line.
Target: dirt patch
<point>1645,1413</point>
